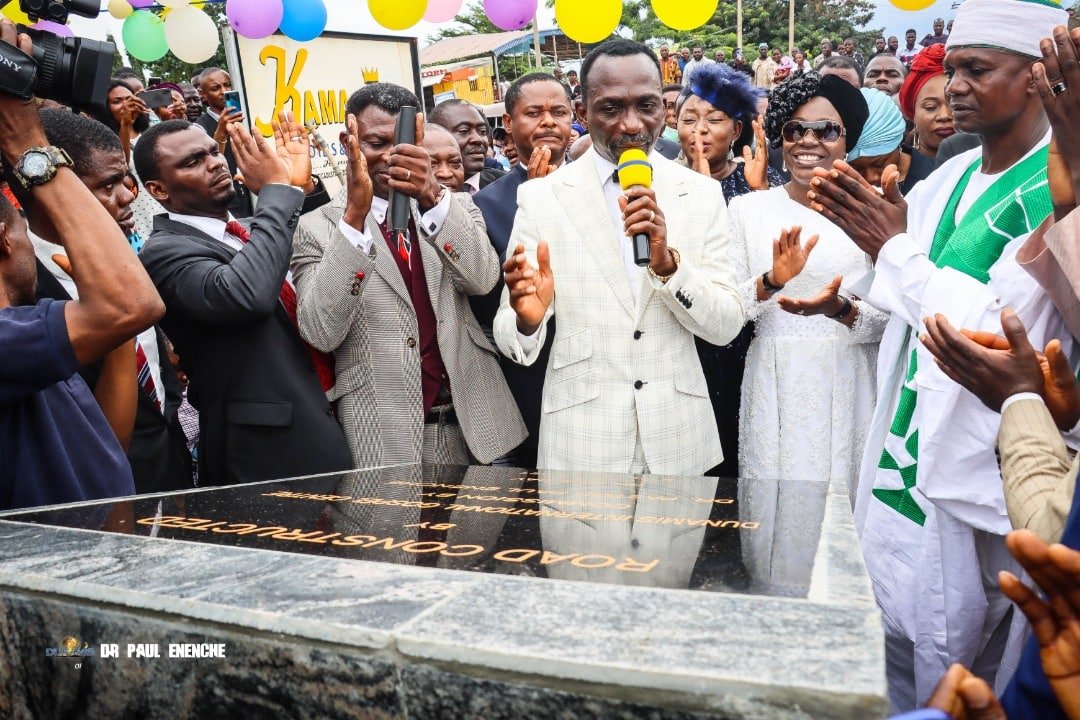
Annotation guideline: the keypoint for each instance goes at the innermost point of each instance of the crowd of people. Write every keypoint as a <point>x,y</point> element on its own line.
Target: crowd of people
<point>857,275</point>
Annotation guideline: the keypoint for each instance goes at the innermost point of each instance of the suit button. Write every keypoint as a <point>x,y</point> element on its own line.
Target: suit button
<point>637,334</point>
<point>638,384</point>
<point>411,342</point>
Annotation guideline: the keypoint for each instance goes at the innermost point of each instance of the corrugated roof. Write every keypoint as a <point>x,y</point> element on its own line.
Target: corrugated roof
<point>468,46</point>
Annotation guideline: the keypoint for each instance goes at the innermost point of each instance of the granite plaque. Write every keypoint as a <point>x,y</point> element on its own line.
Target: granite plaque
<point>724,535</point>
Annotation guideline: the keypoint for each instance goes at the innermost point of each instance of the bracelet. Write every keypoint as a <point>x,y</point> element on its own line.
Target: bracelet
<point>675,258</point>
<point>768,283</point>
<point>845,309</point>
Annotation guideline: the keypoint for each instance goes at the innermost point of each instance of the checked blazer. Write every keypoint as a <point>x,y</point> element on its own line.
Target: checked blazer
<point>623,367</point>
<point>373,333</point>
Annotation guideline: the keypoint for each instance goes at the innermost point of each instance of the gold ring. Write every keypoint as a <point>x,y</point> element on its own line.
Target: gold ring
<point>408,174</point>
<point>652,215</point>
<point>297,138</point>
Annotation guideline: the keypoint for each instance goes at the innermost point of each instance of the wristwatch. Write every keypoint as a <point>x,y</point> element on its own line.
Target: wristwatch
<point>38,165</point>
<point>675,258</point>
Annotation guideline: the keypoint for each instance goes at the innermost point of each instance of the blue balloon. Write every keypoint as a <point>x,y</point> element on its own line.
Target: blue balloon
<point>303,19</point>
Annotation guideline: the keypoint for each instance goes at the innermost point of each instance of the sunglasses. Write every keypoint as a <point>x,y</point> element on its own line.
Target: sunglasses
<point>826,131</point>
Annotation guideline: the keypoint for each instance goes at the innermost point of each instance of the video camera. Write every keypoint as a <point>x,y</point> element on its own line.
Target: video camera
<point>71,70</point>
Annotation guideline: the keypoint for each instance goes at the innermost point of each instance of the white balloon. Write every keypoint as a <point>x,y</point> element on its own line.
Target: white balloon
<point>191,34</point>
<point>120,9</point>
<point>173,3</point>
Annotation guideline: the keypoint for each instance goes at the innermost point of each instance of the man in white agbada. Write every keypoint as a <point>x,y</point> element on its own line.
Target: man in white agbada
<point>930,506</point>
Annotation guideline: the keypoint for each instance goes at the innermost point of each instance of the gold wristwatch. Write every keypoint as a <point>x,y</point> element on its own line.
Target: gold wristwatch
<point>664,278</point>
<point>38,165</point>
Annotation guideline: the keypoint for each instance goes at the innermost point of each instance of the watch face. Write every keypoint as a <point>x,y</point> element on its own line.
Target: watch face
<point>35,165</point>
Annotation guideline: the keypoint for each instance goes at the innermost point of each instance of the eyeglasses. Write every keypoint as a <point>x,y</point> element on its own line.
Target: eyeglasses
<point>826,131</point>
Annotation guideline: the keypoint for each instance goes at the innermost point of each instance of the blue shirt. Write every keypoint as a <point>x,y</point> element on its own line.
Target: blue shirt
<point>55,445</point>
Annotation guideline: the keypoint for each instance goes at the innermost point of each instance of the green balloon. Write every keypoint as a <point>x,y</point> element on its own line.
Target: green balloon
<point>144,36</point>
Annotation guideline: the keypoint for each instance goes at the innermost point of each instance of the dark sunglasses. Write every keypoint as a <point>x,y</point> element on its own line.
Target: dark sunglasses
<point>826,131</point>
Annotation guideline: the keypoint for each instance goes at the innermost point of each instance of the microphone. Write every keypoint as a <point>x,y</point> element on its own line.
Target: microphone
<point>634,169</point>
<point>404,132</point>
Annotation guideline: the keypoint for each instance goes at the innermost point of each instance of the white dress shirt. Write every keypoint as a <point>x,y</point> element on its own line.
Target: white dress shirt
<point>215,228</point>
<point>430,222</point>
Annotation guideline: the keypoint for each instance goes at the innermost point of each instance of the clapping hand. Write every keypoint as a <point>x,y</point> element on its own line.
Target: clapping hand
<point>257,159</point>
<point>826,302</point>
<point>1055,621</point>
<point>294,148</point>
<point>868,217</point>
<point>531,289</point>
<point>789,256</point>
<point>756,161</point>
<point>1057,78</point>
<point>359,189</point>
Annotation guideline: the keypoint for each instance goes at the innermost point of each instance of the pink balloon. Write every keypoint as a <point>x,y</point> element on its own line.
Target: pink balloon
<point>254,18</point>
<point>141,4</point>
<point>510,14</point>
<point>54,28</point>
<point>441,10</point>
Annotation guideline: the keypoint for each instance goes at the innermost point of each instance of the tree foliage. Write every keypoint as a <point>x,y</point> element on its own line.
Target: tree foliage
<point>172,69</point>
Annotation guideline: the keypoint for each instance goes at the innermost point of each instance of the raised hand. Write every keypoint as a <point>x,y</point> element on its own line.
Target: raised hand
<point>756,162</point>
<point>131,108</point>
<point>229,116</point>
<point>256,159</point>
<point>410,171</point>
<point>991,375</point>
<point>1055,621</point>
<point>789,256</point>
<point>826,302</point>
<point>1057,78</point>
<point>540,162</point>
<point>359,189</point>
<point>293,147</point>
<point>531,289</point>
<point>868,217</point>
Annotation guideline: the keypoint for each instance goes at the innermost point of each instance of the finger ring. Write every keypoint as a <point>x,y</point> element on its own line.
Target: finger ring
<point>408,174</point>
<point>652,215</point>
<point>1058,88</point>
<point>297,139</point>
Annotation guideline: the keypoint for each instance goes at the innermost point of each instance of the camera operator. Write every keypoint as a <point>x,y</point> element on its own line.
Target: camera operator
<point>56,444</point>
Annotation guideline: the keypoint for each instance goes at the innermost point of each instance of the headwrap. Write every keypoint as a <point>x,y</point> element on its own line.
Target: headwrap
<point>786,63</point>
<point>1013,25</point>
<point>926,66</point>
<point>849,103</point>
<point>884,127</point>
<point>726,89</point>
<point>580,128</point>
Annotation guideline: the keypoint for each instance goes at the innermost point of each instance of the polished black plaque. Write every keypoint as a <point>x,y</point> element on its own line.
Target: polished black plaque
<point>727,535</point>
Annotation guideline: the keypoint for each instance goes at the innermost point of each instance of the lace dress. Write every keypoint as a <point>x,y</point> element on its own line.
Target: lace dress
<point>809,388</point>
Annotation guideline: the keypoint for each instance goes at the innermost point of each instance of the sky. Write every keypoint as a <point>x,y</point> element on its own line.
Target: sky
<point>354,16</point>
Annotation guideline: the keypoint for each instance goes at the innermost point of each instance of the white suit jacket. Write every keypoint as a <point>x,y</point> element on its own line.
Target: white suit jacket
<point>621,366</point>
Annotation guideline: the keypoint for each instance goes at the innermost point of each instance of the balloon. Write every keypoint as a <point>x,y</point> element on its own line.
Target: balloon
<point>12,12</point>
<point>54,28</point>
<point>254,18</point>
<point>120,9</point>
<point>174,3</point>
<point>684,14</point>
<point>912,5</point>
<point>141,4</point>
<point>439,11</point>
<point>510,14</point>
<point>303,19</point>
<point>144,36</point>
<point>397,14</point>
<point>588,22</point>
<point>191,34</point>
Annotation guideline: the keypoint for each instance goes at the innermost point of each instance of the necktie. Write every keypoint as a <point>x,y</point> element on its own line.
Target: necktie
<point>146,379</point>
<point>404,244</point>
<point>324,364</point>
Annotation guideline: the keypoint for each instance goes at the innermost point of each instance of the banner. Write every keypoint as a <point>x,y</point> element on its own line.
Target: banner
<point>314,80</point>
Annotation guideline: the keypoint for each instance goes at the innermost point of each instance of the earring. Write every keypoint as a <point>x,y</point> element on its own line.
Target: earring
<point>731,152</point>
<point>916,141</point>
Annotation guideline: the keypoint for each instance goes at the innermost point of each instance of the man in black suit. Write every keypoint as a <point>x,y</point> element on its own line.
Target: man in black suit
<point>157,451</point>
<point>213,84</point>
<point>538,117</point>
<point>231,304</point>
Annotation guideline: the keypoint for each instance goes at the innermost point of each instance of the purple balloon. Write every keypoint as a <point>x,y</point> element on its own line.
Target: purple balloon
<point>254,18</point>
<point>54,28</point>
<point>510,14</point>
<point>141,4</point>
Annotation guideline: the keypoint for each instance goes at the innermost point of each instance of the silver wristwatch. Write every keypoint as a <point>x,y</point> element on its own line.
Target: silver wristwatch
<point>38,165</point>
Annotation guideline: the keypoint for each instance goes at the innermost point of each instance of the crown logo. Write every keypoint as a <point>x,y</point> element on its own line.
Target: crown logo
<point>371,75</point>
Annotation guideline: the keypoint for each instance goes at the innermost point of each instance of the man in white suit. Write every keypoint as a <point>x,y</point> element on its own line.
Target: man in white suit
<point>624,390</point>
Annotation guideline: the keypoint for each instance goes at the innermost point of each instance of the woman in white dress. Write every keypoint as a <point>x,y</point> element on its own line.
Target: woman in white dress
<point>809,387</point>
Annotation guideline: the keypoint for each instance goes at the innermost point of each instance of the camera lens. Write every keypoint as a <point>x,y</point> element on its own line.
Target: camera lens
<point>72,71</point>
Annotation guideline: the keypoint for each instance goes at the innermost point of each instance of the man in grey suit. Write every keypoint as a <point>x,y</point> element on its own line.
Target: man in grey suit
<point>231,304</point>
<point>417,380</point>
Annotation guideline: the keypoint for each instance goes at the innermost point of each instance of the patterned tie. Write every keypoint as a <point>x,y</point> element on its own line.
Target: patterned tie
<point>146,379</point>
<point>404,244</point>
<point>324,364</point>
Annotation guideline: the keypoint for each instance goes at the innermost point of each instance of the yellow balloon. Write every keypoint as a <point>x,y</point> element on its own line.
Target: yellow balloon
<point>684,14</point>
<point>912,5</point>
<point>120,9</point>
<point>397,14</point>
<point>588,22</point>
<point>13,13</point>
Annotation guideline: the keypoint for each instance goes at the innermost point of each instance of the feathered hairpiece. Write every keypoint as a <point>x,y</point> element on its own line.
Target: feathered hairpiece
<point>726,90</point>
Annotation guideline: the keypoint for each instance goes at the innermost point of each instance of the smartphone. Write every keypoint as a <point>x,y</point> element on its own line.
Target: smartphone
<point>155,81</point>
<point>156,98</point>
<point>232,100</point>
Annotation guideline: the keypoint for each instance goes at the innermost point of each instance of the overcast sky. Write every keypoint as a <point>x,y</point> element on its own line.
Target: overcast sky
<point>353,15</point>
